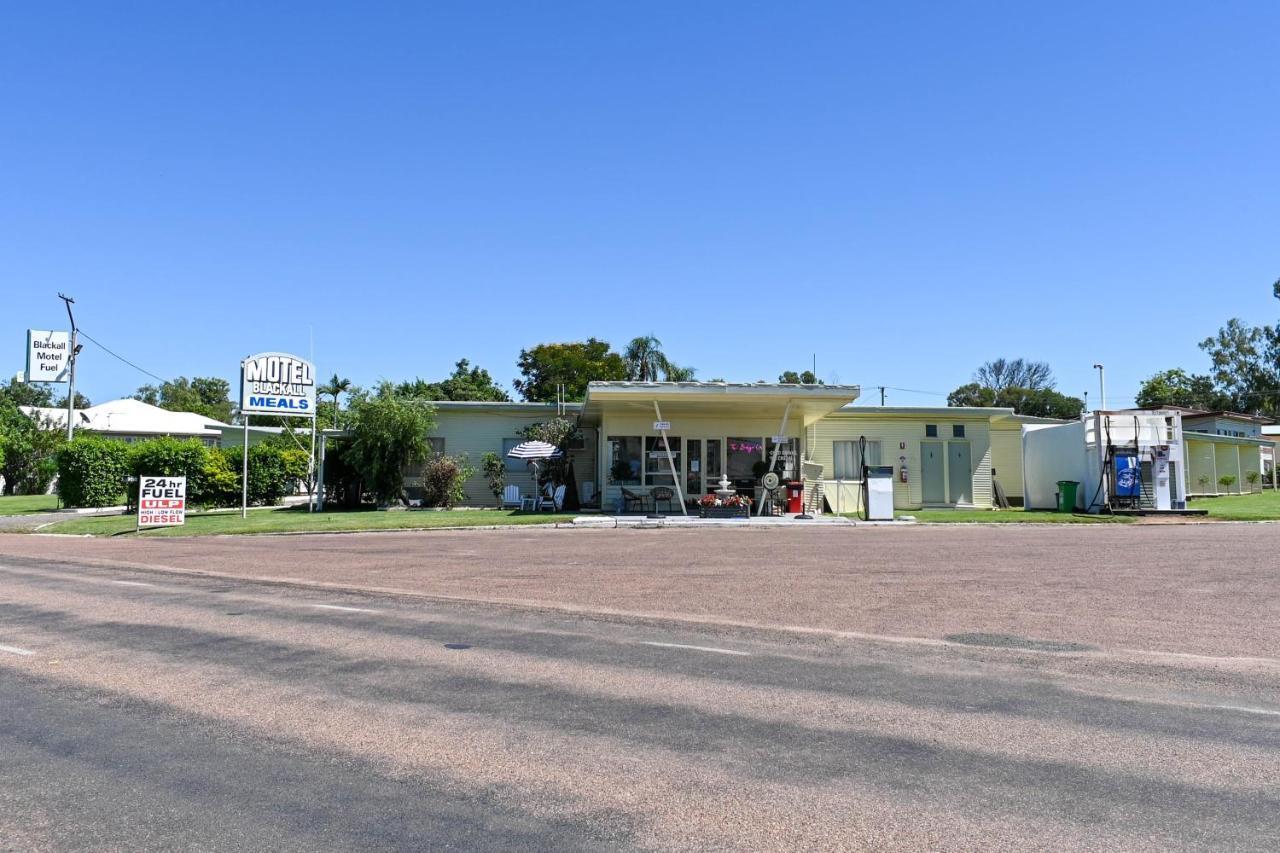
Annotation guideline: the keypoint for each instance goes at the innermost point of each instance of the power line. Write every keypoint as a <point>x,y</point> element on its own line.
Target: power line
<point>104,348</point>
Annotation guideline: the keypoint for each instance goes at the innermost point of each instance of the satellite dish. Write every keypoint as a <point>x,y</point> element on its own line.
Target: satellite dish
<point>770,480</point>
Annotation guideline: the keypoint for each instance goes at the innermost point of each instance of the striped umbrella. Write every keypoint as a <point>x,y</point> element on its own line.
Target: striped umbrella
<point>535,450</point>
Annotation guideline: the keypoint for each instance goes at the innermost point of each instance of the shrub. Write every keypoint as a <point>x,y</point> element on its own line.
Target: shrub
<point>1227,481</point>
<point>91,471</point>
<point>219,480</point>
<point>388,435</point>
<point>170,457</point>
<point>270,473</point>
<point>444,479</point>
<point>495,474</point>
<point>1252,477</point>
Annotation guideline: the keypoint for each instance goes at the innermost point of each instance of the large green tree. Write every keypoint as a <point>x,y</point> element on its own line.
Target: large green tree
<point>646,362</point>
<point>28,393</point>
<point>1025,386</point>
<point>805,377</point>
<point>465,383</point>
<point>1246,364</point>
<point>28,448</point>
<point>204,395</point>
<point>572,364</point>
<point>1178,388</point>
<point>388,434</point>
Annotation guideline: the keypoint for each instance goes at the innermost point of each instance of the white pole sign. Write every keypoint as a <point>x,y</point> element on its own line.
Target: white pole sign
<point>276,383</point>
<point>47,356</point>
<point>162,501</point>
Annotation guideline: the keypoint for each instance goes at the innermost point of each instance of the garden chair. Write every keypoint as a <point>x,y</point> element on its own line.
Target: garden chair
<point>555,502</point>
<point>630,500</point>
<point>665,494</point>
<point>511,496</point>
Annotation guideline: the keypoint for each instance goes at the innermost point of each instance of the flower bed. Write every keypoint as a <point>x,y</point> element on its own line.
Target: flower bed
<point>734,506</point>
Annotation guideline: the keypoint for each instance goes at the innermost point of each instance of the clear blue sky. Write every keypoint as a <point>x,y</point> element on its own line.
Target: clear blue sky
<point>907,188</point>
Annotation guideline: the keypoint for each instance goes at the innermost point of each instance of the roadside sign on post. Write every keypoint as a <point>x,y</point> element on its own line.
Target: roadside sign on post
<point>48,356</point>
<point>661,426</point>
<point>162,501</point>
<point>276,383</point>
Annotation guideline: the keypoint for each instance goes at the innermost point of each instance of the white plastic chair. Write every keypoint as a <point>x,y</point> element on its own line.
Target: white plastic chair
<point>511,496</point>
<point>555,502</point>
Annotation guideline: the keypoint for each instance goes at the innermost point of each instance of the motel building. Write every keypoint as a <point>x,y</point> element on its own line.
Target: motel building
<point>719,431</point>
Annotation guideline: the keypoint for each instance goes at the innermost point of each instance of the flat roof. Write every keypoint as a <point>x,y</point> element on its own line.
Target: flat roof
<point>723,399</point>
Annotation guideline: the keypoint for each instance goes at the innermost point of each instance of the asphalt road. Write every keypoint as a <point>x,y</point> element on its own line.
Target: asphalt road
<point>146,711</point>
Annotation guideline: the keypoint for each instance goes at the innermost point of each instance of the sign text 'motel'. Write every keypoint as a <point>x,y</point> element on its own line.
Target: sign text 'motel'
<point>277,383</point>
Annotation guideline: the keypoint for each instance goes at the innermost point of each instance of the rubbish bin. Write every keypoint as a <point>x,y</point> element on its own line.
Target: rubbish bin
<point>795,496</point>
<point>1067,495</point>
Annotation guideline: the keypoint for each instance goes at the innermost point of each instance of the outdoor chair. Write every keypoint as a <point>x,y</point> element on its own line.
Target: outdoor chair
<point>554,502</point>
<point>665,494</point>
<point>511,496</point>
<point>630,501</point>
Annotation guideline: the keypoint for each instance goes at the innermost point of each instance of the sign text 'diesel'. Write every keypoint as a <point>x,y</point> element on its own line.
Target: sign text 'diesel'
<point>277,383</point>
<point>162,501</point>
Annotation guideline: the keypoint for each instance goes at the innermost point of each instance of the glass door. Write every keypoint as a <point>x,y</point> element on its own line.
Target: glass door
<point>711,466</point>
<point>693,476</point>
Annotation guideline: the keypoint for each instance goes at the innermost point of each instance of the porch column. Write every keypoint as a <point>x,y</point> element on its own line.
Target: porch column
<point>675,476</point>
<point>773,459</point>
<point>320,478</point>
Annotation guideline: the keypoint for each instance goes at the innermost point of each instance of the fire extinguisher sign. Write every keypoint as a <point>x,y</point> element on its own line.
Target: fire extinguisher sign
<point>162,501</point>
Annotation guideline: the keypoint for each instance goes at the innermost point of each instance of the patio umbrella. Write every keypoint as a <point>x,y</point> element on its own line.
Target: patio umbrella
<point>532,451</point>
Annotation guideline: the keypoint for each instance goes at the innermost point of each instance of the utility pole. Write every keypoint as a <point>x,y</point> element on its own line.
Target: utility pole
<point>1086,401</point>
<point>882,396</point>
<point>71,369</point>
<point>1102,387</point>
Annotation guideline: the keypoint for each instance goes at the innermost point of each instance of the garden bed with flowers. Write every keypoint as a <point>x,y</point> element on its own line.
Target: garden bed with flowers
<point>734,506</point>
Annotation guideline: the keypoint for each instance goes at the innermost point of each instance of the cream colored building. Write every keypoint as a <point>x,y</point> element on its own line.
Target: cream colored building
<point>940,457</point>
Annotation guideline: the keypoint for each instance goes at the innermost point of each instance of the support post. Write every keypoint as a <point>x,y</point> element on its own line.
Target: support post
<point>773,459</point>
<point>71,386</point>
<point>311,466</point>
<point>320,478</point>
<point>671,461</point>
<point>244,469</point>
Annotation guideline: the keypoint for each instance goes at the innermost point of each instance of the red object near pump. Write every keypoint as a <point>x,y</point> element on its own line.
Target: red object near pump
<point>795,496</point>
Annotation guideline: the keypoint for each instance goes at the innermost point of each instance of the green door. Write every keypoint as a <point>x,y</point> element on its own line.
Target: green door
<point>959,472</point>
<point>931,472</point>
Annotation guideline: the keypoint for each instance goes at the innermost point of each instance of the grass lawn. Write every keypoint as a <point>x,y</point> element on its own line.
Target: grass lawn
<point>24,504</point>
<point>1004,516</point>
<point>290,519</point>
<point>1262,506</point>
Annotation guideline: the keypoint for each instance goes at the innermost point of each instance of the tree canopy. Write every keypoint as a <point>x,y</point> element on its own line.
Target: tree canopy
<point>388,434</point>
<point>646,362</point>
<point>1178,388</point>
<point>204,395</point>
<point>465,383</point>
<point>805,377</point>
<point>572,364</point>
<point>1027,387</point>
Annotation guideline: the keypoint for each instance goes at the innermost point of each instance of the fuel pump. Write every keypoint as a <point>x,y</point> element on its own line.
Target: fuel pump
<point>877,487</point>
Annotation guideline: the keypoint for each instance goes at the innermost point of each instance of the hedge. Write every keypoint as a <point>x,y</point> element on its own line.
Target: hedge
<point>92,471</point>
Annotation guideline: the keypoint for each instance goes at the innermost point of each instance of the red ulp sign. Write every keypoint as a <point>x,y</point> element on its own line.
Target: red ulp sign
<point>162,501</point>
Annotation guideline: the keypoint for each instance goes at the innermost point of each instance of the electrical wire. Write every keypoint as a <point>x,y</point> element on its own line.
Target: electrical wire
<point>116,355</point>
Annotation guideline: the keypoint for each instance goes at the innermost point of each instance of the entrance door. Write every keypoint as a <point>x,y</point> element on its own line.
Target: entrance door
<point>693,476</point>
<point>960,472</point>
<point>931,482</point>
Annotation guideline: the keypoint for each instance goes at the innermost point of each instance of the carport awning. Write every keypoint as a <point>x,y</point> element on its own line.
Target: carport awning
<point>807,403</point>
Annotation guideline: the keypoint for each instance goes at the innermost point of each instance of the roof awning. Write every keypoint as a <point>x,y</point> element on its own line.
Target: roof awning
<point>807,403</point>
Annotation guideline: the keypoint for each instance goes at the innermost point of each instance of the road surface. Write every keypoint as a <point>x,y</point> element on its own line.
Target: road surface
<point>144,710</point>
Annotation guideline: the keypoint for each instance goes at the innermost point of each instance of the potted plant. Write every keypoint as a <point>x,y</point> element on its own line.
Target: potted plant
<point>734,506</point>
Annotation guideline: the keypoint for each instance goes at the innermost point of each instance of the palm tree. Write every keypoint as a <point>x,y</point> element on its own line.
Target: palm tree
<point>335,386</point>
<point>644,359</point>
<point>676,373</point>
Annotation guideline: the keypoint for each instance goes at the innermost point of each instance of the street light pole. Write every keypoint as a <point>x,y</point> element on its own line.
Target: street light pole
<point>71,369</point>
<point>1102,387</point>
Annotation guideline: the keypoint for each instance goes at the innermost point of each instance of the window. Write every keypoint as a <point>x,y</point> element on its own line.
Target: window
<point>957,430</point>
<point>657,469</point>
<point>742,456</point>
<point>847,464</point>
<point>930,430</point>
<point>514,466</point>
<point>786,458</point>
<point>624,460</point>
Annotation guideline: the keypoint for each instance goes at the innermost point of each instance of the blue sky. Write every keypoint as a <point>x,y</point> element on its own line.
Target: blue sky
<point>906,189</point>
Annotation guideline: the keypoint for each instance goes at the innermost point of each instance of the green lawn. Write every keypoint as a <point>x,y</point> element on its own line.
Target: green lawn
<point>1004,516</point>
<point>25,504</point>
<point>1257,507</point>
<point>290,520</point>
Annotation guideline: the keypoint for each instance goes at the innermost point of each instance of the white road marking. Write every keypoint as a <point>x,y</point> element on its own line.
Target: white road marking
<point>696,648</point>
<point>133,583</point>
<point>14,650</point>
<point>344,609</point>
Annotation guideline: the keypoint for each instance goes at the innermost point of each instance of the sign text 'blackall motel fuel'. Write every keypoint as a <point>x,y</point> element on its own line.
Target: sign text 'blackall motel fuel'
<point>279,384</point>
